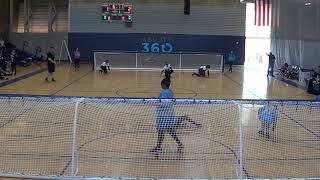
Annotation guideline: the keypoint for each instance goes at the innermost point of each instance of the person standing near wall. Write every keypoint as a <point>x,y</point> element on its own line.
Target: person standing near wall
<point>272,60</point>
<point>13,57</point>
<point>77,56</point>
<point>51,64</point>
<point>231,60</point>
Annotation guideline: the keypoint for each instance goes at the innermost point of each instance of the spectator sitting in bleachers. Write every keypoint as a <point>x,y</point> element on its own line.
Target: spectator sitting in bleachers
<point>289,72</point>
<point>284,70</point>
<point>314,74</point>
<point>2,67</point>
<point>314,83</point>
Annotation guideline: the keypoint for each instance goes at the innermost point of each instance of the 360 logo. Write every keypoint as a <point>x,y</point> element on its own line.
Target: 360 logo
<point>157,48</point>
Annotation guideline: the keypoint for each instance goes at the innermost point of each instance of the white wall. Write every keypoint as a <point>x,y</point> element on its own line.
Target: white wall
<point>297,38</point>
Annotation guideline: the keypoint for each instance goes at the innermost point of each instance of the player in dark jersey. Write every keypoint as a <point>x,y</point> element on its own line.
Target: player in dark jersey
<point>202,71</point>
<point>51,64</point>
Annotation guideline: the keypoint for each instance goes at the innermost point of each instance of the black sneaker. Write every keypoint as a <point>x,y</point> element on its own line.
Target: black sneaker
<point>268,135</point>
<point>155,150</point>
<point>261,132</point>
<point>53,80</point>
<point>180,148</point>
<point>46,79</point>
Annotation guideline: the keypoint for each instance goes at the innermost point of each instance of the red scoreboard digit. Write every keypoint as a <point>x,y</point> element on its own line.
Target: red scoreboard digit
<point>117,12</point>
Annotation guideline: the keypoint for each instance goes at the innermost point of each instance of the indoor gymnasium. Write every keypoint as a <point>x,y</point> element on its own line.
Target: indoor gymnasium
<point>159,89</point>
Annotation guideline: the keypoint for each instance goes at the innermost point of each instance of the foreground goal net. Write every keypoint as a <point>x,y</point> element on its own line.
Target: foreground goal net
<point>99,137</point>
<point>179,61</point>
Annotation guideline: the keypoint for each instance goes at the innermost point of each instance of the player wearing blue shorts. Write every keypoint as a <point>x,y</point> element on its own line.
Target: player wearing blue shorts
<point>166,120</point>
<point>268,116</point>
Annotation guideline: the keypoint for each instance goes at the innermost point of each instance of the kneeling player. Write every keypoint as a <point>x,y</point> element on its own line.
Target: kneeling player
<point>202,71</point>
<point>167,70</point>
<point>105,66</point>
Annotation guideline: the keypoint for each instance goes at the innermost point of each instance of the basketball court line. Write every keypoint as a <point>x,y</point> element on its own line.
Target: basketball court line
<point>302,126</point>
<point>106,136</point>
<point>242,86</point>
<point>26,76</point>
<point>12,119</point>
<point>74,81</point>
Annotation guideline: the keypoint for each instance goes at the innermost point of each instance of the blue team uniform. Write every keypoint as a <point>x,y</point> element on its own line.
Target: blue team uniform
<point>165,111</point>
<point>232,58</point>
<point>268,115</point>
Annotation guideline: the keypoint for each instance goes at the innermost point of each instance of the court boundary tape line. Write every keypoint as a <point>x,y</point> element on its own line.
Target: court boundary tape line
<point>23,77</point>
<point>12,95</point>
<point>118,92</point>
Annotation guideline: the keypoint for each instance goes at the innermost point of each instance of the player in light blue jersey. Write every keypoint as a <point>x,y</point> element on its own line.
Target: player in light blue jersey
<point>268,116</point>
<point>166,120</point>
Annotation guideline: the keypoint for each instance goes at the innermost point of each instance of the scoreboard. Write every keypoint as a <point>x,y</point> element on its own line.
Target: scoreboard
<point>117,12</point>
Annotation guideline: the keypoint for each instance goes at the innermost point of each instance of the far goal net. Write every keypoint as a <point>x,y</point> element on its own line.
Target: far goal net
<point>149,61</point>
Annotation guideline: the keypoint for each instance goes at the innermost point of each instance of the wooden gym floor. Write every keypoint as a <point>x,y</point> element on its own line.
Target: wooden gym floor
<point>241,84</point>
<point>36,136</point>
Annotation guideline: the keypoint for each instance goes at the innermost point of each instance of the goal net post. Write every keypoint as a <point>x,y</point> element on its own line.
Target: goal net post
<point>64,50</point>
<point>155,61</point>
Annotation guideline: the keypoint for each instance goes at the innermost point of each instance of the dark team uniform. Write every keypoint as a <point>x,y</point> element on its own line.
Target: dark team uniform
<point>167,70</point>
<point>51,65</point>
<point>202,71</point>
<point>13,63</point>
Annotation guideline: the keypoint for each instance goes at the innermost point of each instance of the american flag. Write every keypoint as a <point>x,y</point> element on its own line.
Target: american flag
<point>267,12</point>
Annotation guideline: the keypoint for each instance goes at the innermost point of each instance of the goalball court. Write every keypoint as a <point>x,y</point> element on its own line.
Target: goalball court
<point>101,137</point>
<point>243,83</point>
<point>90,137</point>
<point>91,125</point>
